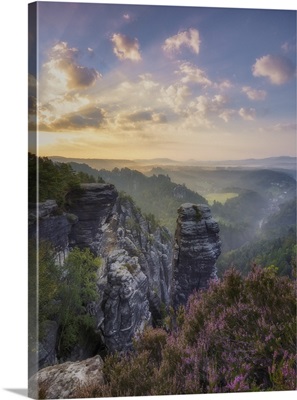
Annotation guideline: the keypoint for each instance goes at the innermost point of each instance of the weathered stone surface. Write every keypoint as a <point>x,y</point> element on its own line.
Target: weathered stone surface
<point>92,203</point>
<point>126,306</point>
<point>140,237</point>
<point>62,381</point>
<point>109,224</point>
<point>54,226</point>
<point>197,247</point>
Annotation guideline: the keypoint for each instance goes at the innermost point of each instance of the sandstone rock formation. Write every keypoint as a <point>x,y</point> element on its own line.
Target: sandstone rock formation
<point>114,229</point>
<point>53,226</point>
<point>63,380</point>
<point>126,305</point>
<point>135,279</point>
<point>135,282</point>
<point>197,247</point>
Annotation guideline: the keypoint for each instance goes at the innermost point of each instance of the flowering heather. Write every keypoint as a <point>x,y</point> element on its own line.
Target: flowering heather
<point>239,335</point>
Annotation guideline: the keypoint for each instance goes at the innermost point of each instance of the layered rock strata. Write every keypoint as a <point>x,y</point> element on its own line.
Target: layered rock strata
<point>197,247</point>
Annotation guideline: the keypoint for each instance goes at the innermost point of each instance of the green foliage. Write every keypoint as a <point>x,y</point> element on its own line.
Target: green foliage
<point>53,180</point>
<point>89,174</point>
<point>130,267</point>
<point>152,222</point>
<point>197,213</point>
<point>63,292</point>
<point>282,221</point>
<point>156,195</point>
<point>78,289</point>
<point>85,178</point>
<point>263,251</point>
<point>44,281</point>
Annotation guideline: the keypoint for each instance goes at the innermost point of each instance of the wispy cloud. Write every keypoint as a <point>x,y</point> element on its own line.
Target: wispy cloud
<point>254,94</point>
<point>288,47</point>
<point>126,48</point>
<point>248,114</point>
<point>277,69</point>
<point>226,115</point>
<point>192,74</point>
<point>189,38</point>
<point>284,127</point>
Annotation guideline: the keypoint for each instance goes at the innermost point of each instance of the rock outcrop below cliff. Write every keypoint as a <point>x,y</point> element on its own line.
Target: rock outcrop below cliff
<point>197,247</point>
<point>62,381</point>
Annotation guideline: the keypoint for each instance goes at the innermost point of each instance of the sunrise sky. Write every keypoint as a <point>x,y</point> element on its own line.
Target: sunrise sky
<point>130,82</point>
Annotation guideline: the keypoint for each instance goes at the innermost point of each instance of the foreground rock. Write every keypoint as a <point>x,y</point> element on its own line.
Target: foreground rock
<point>197,247</point>
<point>63,381</point>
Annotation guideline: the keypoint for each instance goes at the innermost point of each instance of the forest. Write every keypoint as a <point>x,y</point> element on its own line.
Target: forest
<point>238,335</point>
<point>257,224</point>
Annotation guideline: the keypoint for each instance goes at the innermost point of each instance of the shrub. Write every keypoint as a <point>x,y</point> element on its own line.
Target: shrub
<point>239,335</point>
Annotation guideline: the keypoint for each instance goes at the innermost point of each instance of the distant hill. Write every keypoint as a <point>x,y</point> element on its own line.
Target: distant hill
<point>282,162</point>
<point>97,163</point>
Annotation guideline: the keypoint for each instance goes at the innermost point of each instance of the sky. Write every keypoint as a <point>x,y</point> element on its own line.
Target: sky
<point>135,81</point>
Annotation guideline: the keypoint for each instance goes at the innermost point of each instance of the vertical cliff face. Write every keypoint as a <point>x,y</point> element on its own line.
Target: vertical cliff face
<point>52,225</point>
<point>197,247</point>
<point>135,281</point>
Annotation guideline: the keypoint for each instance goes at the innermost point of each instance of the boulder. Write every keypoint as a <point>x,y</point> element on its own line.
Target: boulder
<point>64,381</point>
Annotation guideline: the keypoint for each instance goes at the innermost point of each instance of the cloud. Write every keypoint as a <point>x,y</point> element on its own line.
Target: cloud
<point>91,51</point>
<point>147,82</point>
<point>140,116</point>
<point>284,127</point>
<point>203,110</point>
<point>223,85</point>
<point>126,16</point>
<point>205,104</point>
<point>63,68</point>
<point>139,119</point>
<point>254,94</point>
<point>125,48</point>
<point>189,38</point>
<point>174,96</point>
<point>248,114</point>
<point>193,74</point>
<point>277,69</point>
<point>64,51</point>
<point>86,118</point>
<point>226,115</point>
<point>288,47</point>
<point>79,77</point>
